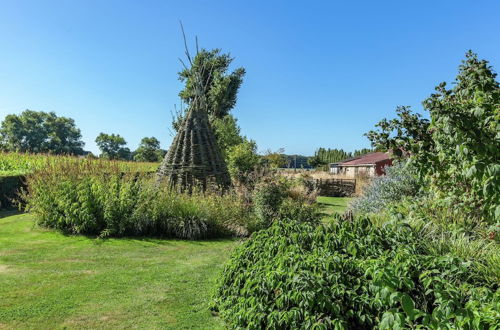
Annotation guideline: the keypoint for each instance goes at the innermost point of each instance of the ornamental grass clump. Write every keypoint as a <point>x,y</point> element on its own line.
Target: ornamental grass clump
<point>277,198</point>
<point>93,197</point>
<point>350,275</point>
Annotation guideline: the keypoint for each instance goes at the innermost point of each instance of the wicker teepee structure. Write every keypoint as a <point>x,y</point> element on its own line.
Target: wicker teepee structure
<point>194,158</point>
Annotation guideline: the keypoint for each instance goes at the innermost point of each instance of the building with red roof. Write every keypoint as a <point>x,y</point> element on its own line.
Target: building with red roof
<point>372,164</point>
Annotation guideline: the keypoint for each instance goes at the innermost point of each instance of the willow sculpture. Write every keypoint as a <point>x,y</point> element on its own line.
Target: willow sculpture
<point>194,158</point>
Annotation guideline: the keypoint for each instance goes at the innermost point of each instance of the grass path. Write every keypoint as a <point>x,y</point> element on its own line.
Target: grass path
<point>48,280</point>
<point>332,205</point>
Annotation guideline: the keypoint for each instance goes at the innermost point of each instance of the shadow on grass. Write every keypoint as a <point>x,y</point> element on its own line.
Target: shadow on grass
<point>7,212</point>
<point>96,239</point>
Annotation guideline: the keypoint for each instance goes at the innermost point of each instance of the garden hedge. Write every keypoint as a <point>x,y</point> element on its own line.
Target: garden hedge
<point>9,188</point>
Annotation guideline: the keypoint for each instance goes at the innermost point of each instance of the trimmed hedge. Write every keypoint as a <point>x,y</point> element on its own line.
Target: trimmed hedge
<point>9,188</point>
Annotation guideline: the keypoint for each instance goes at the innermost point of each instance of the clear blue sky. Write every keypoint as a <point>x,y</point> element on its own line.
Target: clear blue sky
<point>319,73</point>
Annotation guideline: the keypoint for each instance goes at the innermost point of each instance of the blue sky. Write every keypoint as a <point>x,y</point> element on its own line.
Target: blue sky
<point>319,73</point>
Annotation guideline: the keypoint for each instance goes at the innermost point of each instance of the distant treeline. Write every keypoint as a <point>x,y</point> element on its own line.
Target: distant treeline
<point>323,157</point>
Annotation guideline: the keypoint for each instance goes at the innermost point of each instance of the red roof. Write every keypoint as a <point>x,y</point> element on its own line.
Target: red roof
<point>372,158</point>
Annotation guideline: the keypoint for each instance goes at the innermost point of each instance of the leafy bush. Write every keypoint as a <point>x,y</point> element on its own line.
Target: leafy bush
<point>400,181</point>
<point>349,275</point>
<point>97,198</point>
<point>447,231</point>
<point>280,198</point>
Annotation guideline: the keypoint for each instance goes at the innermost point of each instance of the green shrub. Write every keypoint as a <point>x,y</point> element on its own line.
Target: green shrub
<point>448,231</point>
<point>349,275</point>
<point>97,198</point>
<point>279,198</point>
<point>267,198</point>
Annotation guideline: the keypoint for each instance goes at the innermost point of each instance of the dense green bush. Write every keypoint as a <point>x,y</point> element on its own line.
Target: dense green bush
<point>97,198</point>
<point>400,181</point>
<point>447,231</point>
<point>350,275</point>
<point>280,198</point>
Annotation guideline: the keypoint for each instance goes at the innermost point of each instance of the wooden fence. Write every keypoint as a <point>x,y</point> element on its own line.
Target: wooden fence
<point>335,187</point>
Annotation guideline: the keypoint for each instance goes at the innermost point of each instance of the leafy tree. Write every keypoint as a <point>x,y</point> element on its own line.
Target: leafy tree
<point>324,156</point>
<point>112,146</point>
<point>275,159</point>
<point>149,150</point>
<point>316,161</point>
<point>242,159</point>
<point>38,131</point>
<point>457,150</point>
<point>222,87</point>
<point>227,133</point>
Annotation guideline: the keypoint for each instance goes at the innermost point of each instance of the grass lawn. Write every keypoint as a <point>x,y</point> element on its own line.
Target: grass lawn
<point>332,205</point>
<point>49,280</point>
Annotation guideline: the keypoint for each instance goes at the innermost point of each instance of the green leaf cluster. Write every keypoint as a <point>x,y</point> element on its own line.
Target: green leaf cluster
<point>350,275</point>
<point>149,150</point>
<point>112,146</point>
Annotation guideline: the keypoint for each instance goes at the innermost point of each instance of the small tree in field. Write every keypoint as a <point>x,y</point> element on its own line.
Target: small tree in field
<point>112,146</point>
<point>149,150</point>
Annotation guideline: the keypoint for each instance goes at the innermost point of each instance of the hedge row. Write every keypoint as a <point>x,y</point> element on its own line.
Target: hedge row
<point>9,187</point>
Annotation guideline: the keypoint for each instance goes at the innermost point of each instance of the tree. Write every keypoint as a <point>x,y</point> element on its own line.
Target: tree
<point>275,159</point>
<point>38,131</point>
<point>316,161</point>
<point>149,150</point>
<point>221,87</point>
<point>227,133</point>
<point>457,150</point>
<point>242,159</point>
<point>220,92</point>
<point>112,146</point>
<point>361,152</point>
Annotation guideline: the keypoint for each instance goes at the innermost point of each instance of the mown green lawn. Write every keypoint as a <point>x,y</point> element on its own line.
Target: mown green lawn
<point>332,205</point>
<point>49,280</point>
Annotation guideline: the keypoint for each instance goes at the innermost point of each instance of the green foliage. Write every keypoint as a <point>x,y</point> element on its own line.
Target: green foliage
<point>275,160</point>
<point>450,232</point>
<point>242,159</point>
<point>349,275</point>
<point>40,132</point>
<point>324,156</point>
<point>220,88</point>
<point>227,133</point>
<point>97,198</point>
<point>112,146</point>
<point>209,68</point>
<point>277,198</point>
<point>149,150</point>
<point>13,163</point>
<point>457,150</point>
